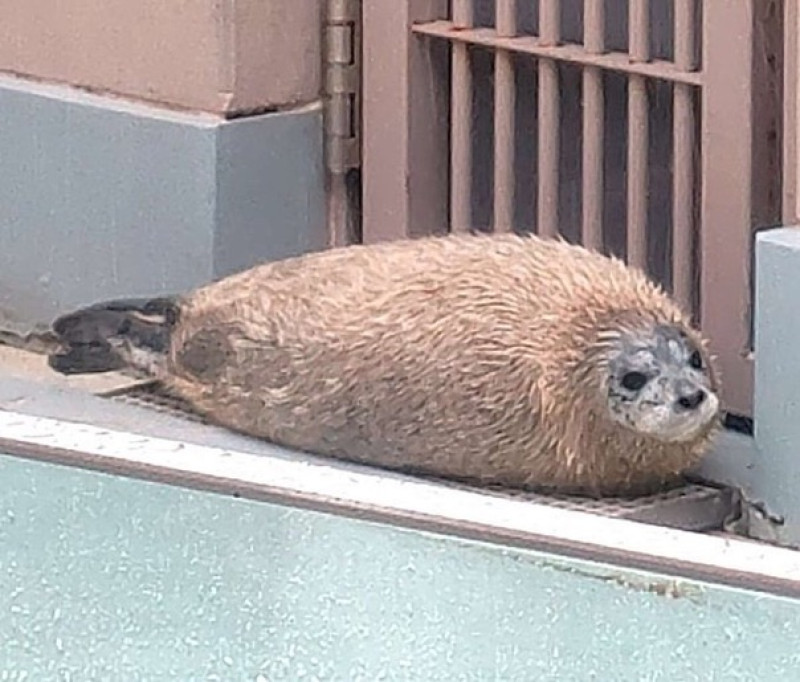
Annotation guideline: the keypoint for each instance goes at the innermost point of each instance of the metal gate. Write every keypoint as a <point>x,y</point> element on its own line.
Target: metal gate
<point>625,125</point>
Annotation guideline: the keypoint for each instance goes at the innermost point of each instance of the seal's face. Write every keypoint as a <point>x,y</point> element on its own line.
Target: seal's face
<point>660,384</point>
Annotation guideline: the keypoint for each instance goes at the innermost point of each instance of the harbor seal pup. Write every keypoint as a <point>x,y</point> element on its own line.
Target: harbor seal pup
<point>498,359</point>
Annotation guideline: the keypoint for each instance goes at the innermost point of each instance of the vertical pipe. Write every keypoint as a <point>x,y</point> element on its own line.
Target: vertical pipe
<point>548,123</point>
<point>638,134</point>
<point>683,146</point>
<point>461,125</point>
<point>593,186</point>
<point>504,102</point>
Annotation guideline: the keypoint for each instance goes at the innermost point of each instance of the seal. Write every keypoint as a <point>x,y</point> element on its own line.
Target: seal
<point>497,359</point>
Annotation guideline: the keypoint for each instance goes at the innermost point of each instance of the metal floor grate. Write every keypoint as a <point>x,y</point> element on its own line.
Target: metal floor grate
<point>693,507</point>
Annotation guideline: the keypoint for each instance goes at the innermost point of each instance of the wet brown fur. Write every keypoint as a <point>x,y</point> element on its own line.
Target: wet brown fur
<point>470,357</point>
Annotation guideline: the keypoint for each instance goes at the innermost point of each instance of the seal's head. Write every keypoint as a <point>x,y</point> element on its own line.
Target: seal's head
<point>660,382</point>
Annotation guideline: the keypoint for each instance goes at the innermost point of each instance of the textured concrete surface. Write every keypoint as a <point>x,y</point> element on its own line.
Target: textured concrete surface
<point>33,367</point>
<point>109,578</point>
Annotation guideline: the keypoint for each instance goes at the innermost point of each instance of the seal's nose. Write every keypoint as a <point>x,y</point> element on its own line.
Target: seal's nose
<point>692,401</point>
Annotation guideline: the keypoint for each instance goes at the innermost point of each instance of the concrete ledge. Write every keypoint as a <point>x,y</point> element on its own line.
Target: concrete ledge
<point>101,198</point>
<point>776,470</point>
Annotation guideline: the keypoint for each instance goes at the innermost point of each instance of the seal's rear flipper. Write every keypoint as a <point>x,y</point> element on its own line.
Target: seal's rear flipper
<point>113,335</point>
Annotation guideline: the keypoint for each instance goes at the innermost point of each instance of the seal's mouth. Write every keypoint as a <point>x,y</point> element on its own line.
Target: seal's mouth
<point>663,424</point>
<point>691,425</point>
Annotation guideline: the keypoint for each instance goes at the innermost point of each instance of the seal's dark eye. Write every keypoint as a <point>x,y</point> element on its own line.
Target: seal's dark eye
<point>633,381</point>
<point>696,360</point>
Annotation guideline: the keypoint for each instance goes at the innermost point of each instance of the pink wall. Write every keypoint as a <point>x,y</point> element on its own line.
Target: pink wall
<point>221,56</point>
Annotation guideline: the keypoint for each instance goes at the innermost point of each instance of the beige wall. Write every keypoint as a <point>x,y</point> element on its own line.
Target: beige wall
<point>222,56</point>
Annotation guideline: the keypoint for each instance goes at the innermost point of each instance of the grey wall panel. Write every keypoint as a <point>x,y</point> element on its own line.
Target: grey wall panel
<point>271,189</point>
<point>102,198</point>
<point>98,199</point>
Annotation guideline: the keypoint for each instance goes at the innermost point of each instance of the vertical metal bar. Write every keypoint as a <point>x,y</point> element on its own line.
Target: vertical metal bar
<point>462,13</point>
<point>726,208</point>
<point>639,30</point>
<point>638,148</point>
<point>461,125</point>
<point>549,22</point>
<point>548,122</point>
<point>685,35</point>
<point>683,133</point>
<point>683,180</point>
<point>404,126</point>
<point>594,20</point>
<point>593,186</point>
<point>768,101</point>
<point>504,102</point>
<point>638,134</point>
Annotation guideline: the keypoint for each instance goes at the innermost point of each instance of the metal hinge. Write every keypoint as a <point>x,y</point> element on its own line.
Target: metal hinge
<point>343,84</point>
<point>342,99</point>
